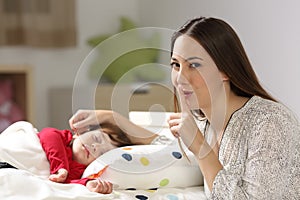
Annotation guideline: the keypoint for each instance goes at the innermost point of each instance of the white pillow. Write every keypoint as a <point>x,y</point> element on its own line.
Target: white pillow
<point>146,167</point>
<point>155,122</point>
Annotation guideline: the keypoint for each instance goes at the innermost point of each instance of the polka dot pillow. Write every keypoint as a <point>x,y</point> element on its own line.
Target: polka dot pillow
<point>146,167</point>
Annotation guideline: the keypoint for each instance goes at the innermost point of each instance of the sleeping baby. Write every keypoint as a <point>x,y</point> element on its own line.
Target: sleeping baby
<point>69,155</point>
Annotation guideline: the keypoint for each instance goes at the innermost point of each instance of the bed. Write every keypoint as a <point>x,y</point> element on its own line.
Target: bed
<point>172,179</point>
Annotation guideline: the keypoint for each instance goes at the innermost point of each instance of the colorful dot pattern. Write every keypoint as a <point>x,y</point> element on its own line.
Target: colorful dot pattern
<point>127,156</point>
<point>141,197</point>
<point>144,161</point>
<point>145,197</point>
<point>164,182</point>
<point>172,197</point>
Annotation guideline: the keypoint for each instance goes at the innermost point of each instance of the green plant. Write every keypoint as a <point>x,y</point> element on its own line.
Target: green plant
<point>128,61</point>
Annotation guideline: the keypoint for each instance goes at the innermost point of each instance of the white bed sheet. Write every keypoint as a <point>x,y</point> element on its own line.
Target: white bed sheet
<point>20,184</point>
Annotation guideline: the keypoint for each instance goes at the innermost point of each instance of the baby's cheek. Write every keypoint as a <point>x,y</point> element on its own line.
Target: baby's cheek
<point>89,160</point>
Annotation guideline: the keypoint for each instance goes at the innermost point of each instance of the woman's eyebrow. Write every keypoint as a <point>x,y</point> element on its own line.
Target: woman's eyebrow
<point>174,59</point>
<point>194,57</point>
<point>188,59</point>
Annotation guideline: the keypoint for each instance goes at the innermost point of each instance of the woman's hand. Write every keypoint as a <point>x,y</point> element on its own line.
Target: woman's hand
<point>60,176</point>
<point>85,120</point>
<point>100,186</point>
<point>119,128</point>
<point>82,120</point>
<point>184,126</point>
<point>174,122</point>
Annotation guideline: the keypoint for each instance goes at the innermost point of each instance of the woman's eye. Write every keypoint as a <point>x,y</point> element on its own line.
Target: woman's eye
<point>174,64</point>
<point>195,65</point>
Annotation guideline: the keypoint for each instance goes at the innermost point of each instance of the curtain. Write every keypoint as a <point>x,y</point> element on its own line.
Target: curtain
<point>39,23</point>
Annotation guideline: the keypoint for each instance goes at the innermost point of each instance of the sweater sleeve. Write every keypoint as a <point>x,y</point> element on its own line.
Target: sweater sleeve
<point>54,143</point>
<point>265,173</point>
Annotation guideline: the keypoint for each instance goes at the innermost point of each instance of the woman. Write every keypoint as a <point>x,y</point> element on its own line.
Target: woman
<point>248,147</point>
<point>246,143</point>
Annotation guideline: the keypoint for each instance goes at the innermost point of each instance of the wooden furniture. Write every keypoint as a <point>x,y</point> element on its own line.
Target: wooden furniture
<point>126,98</point>
<point>123,98</point>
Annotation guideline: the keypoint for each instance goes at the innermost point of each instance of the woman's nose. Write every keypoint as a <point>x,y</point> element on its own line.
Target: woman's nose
<point>182,77</point>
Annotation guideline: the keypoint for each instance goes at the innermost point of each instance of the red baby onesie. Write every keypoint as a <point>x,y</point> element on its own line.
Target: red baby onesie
<point>56,144</point>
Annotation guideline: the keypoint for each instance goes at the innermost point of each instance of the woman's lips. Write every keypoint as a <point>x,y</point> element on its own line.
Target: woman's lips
<point>187,93</point>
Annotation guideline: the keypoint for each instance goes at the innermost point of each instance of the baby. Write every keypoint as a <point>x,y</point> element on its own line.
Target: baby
<point>69,155</point>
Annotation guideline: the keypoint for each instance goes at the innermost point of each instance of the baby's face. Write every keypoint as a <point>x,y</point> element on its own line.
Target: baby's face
<point>90,145</point>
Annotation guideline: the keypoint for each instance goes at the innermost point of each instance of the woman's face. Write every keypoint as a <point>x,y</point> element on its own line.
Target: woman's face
<point>90,145</point>
<point>194,73</point>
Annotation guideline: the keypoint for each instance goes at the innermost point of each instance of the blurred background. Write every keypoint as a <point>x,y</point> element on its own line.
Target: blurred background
<point>39,76</point>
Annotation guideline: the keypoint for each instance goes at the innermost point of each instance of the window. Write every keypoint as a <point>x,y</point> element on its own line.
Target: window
<point>40,23</point>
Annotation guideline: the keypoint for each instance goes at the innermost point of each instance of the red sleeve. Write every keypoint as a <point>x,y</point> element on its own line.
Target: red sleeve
<point>55,144</point>
<point>82,181</point>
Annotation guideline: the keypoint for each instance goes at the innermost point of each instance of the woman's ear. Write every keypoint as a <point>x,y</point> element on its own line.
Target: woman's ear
<point>224,77</point>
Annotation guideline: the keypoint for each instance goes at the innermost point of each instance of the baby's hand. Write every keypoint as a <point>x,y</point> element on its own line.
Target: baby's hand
<point>100,186</point>
<point>60,176</point>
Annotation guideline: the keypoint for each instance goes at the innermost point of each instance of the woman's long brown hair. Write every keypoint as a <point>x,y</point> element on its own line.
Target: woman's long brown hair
<point>225,48</point>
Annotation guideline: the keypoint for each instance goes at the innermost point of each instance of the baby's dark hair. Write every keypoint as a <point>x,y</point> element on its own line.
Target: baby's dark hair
<point>116,135</point>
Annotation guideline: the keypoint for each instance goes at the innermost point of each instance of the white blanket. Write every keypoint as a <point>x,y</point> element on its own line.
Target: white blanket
<point>20,146</point>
